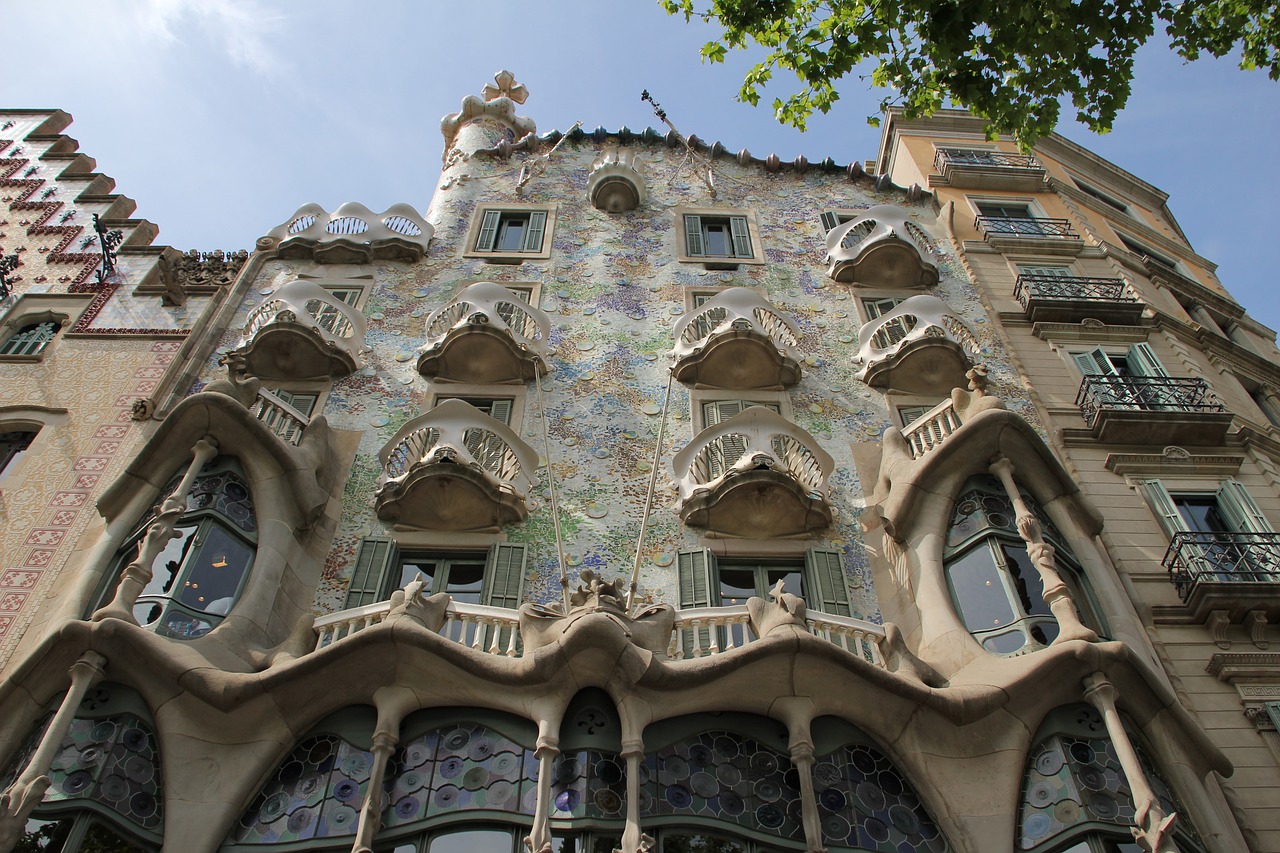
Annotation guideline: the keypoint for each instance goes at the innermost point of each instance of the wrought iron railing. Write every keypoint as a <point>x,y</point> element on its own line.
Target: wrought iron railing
<point>932,428</point>
<point>1073,288</point>
<point>979,157</point>
<point>1196,558</point>
<point>1144,393</point>
<point>1025,226</point>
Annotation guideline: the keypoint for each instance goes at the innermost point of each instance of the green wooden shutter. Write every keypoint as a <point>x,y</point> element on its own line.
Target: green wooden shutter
<point>504,576</point>
<point>1162,504</point>
<point>697,584</point>
<point>1242,513</point>
<point>376,562</point>
<point>534,233</point>
<point>488,231</point>
<point>1143,362</point>
<point>741,237</point>
<point>693,235</point>
<point>1095,362</point>
<point>828,588</point>
<point>830,220</point>
<point>500,410</point>
<point>1273,711</point>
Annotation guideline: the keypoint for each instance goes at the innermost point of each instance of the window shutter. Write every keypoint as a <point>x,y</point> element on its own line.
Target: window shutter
<point>377,557</point>
<point>500,410</point>
<point>830,220</point>
<point>741,237</point>
<point>1242,513</point>
<point>1045,272</point>
<point>1095,363</point>
<point>1273,711</point>
<point>828,588</point>
<point>693,235</point>
<point>1143,361</point>
<point>537,227</point>
<point>488,231</point>
<point>694,571</point>
<point>1161,503</point>
<point>504,576</point>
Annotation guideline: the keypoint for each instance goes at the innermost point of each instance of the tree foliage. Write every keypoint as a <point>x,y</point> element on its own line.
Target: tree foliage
<point>1010,61</point>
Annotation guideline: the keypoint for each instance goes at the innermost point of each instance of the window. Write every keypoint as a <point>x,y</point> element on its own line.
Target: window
<point>1045,271</point>
<point>894,330</point>
<point>1011,218</point>
<point>495,578</point>
<point>498,408</point>
<point>817,576</point>
<point>717,238</point>
<point>831,219</point>
<point>995,586</point>
<point>1139,360</point>
<point>907,415</point>
<point>13,446</point>
<point>1098,194</point>
<point>199,575</point>
<point>1143,250</point>
<point>729,449</point>
<point>1218,535</point>
<point>511,234</point>
<point>30,340</point>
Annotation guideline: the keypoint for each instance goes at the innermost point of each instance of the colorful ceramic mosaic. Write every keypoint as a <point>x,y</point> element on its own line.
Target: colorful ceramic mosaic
<point>865,803</point>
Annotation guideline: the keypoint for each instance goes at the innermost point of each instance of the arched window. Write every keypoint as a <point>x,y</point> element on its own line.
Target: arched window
<point>13,444</point>
<point>1075,797</point>
<point>995,586</point>
<point>105,791</point>
<point>197,578</point>
<point>30,339</point>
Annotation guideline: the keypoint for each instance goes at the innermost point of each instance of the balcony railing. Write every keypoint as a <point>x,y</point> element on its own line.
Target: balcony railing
<point>486,334</point>
<point>496,630</point>
<point>1048,298</point>
<point>882,247</point>
<point>932,428</point>
<point>279,417</point>
<point>1199,558</point>
<point>352,234</point>
<point>455,468</point>
<point>1025,226</point>
<point>978,157</point>
<point>906,333</point>
<point>1100,394</point>
<point>736,340</point>
<point>332,330</point>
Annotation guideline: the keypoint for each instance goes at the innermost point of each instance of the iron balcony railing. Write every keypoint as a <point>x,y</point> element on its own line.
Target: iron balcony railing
<point>1194,558</point>
<point>1144,393</point>
<point>977,157</point>
<point>1025,226</point>
<point>1074,288</point>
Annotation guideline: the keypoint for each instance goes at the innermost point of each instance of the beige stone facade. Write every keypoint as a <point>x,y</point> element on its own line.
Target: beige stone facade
<point>641,495</point>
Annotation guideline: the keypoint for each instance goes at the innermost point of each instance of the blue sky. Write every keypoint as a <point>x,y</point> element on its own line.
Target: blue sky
<point>221,117</point>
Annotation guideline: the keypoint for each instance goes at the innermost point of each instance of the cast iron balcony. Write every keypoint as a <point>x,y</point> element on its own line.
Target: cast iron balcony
<point>974,168</point>
<point>1157,410</point>
<point>303,331</point>
<point>756,475</point>
<point>486,334</point>
<point>1047,236</point>
<point>1065,299</point>
<point>883,247</point>
<point>1226,571</point>
<point>918,347</point>
<point>454,468</point>
<point>736,340</point>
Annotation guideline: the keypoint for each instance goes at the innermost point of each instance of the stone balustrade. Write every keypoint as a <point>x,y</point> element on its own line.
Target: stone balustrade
<point>281,418</point>
<point>932,428</point>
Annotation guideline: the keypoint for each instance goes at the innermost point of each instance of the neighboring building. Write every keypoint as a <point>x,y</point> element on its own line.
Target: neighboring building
<point>646,496</point>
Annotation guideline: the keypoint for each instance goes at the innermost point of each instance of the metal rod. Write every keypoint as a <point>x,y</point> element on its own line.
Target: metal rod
<point>648,500</point>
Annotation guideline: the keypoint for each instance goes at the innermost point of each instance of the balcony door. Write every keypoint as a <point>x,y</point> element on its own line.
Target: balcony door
<point>1220,535</point>
<point>1131,380</point>
<point>1011,218</point>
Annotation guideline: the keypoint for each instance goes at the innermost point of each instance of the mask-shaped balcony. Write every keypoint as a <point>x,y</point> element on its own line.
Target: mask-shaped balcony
<point>303,331</point>
<point>882,247</point>
<point>919,347</point>
<point>486,334</point>
<point>736,340</point>
<point>352,234</point>
<point>754,475</point>
<point>455,468</point>
<point>617,181</point>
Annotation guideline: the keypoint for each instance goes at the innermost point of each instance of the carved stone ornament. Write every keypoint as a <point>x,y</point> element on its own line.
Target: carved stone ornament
<point>410,603</point>
<point>649,627</point>
<point>785,614</point>
<point>498,103</point>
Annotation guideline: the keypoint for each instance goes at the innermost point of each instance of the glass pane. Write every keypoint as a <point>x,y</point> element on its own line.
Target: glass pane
<point>473,841</point>
<point>980,596</point>
<point>1026,579</point>
<point>100,839</point>
<point>510,234</point>
<point>425,570</point>
<point>464,581</point>
<point>716,237</point>
<point>791,581</point>
<point>1201,513</point>
<point>736,585</point>
<point>212,577</point>
<point>696,842</point>
<point>43,835</point>
<point>1005,644</point>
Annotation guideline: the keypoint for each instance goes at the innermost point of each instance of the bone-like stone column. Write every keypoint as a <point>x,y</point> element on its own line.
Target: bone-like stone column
<point>393,704</point>
<point>136,575</point>
<point>17,803</point>
<point>546,751</point>
<point>1056,593</point>
<point>1154,830</point>
<point>802,758</point>
<point>633,838</point>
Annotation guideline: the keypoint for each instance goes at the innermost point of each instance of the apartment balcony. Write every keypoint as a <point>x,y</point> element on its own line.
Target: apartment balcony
<point>1070,299</point>
<point>303,331</point>
<point>978,169</point>
<point>455,468</point>
<point>1029,234</point>
<point>736,340</point>
<point>755,475</point>
<point>279,417</point>
<point>1152,410</point>
<point>486,334</point>
<point>352,234</point>
<point>882,248</point>
<point>918,347</point>
<point>1231,573</point>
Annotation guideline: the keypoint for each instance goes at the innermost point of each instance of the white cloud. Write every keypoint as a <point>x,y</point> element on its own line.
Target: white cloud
<point>242,28</point>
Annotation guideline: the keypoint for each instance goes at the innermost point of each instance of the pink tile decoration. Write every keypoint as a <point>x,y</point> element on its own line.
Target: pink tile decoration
<point>107,447</point>
<point>111,430</point>
<point>166,346</point>
<point>19,579</point>
<point>91,463</point>
<point>126,400</point>
<point>39,558</point>
<point>12,601</point>
<point>164,359</point>
<point>87,481</point>
<point>149,372</point>
<point>63,518</point>
<point>146,387</point>
<point>51,538</point>
<point>5,623</point>
<point>126,416</point>
<point>68,499</point>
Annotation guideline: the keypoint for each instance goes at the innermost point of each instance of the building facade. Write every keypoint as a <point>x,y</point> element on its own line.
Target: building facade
<point>639,495</point>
